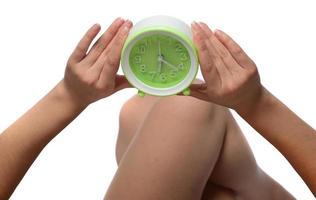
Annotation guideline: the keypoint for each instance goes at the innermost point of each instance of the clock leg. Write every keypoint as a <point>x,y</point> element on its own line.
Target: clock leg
<point>141,93</point>
<point>186,92</point>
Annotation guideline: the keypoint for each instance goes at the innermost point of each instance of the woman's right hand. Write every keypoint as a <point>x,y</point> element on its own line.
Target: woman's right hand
<point>231,77</point>
<point>92,75</point>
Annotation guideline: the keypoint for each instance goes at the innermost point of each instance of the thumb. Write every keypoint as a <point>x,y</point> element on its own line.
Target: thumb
<point>198,86</point>
<point>121,82</point>
<point>197,90</point>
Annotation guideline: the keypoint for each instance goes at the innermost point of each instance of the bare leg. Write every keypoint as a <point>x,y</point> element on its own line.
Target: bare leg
<point>132,116</point>
<point>194,184</point>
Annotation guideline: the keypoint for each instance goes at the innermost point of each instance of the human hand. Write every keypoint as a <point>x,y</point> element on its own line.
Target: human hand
<point>90,76</point>
<point>231,77</point>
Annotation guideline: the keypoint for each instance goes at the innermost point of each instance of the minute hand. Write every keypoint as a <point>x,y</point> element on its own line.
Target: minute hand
<point>169,64</point>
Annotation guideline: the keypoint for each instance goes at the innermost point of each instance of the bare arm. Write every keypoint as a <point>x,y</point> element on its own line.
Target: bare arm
<point>88,77</point>
<point>232,80</point>
<point>21,143</point>
<point>295,139</point>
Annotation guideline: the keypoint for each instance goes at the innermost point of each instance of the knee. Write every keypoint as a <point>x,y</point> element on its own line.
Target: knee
<point>127,124</point>
<point>185,109</point>
<point>189,109</point>
<point>131,117</point>
<point>133,113</point>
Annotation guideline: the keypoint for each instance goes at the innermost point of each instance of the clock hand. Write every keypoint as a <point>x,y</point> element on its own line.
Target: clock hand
<point>159,48</point>
<point>159,66</point>
<point>167,63</point>
<point>159,56</point>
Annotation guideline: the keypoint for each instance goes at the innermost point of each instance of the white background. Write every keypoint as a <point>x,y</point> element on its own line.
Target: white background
<point>36,38</point>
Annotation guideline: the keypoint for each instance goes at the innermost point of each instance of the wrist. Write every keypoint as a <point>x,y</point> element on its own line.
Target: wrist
<point>263,98</point>
<point>63,94</point>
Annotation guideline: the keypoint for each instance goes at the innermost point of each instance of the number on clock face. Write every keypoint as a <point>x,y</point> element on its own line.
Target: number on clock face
<point>159,60</point>
<point>141,49</point>
<point>138,59</point>
<point>142,68</point>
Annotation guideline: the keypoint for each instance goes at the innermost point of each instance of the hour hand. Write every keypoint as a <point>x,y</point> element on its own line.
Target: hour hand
<point>159,56</point>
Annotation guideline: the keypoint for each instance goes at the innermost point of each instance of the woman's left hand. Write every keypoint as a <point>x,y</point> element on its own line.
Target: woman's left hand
<point>231,77</point>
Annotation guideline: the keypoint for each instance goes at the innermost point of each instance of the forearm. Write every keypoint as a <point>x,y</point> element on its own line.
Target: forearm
<point>21,143</point>
<point>295,139</point>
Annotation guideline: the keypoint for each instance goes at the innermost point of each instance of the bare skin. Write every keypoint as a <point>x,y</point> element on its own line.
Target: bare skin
<point>232,80</point>
<point>89,76</point>
<point>232,173</point>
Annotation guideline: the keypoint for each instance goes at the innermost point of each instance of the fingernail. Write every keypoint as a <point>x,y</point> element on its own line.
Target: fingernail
<point>204,26</point>
<point>217,32</point>
<point>129,23</point>
<point>126,28</point>
<point>119,19</point>
<point>194,24</point>
<point>96,26</point>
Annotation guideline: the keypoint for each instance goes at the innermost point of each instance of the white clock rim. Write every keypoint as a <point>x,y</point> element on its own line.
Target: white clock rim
<point>131,77</point>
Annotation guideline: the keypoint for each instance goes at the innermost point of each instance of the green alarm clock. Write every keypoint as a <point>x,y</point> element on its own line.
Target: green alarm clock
<point>159,57</point>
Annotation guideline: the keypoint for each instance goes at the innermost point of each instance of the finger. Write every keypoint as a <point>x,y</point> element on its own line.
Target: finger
<point>198,86</point>
<point>111,55</point>
<point>116,45</point>
<point>236,51</point>
<point>205,60</point>
<point>106,59</point>
<point>199,95</point>
<point>221,50</point>
<point>199,90</point>
<point>104,40</point>
<point>216,62</point>
<point>82,47</point>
